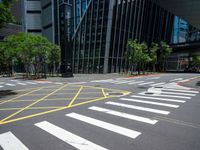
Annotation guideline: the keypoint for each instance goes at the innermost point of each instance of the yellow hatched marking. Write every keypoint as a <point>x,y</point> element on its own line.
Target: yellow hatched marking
<point>74,98</point>
<point>12,99</point>
<point>104,94</point>
<point>59,108</point>
<point>30,108</point>
<point>33,103</point>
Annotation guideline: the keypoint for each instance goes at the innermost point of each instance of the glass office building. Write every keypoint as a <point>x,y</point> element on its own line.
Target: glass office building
<point>103,27</point>
<point>93,34</point>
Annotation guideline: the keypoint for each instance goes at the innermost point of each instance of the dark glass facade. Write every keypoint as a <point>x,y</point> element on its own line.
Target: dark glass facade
<point>102,29</point>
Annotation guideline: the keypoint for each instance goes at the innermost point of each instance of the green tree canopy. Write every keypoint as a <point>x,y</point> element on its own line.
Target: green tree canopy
<point>5,14</point>
<point>30,49</point>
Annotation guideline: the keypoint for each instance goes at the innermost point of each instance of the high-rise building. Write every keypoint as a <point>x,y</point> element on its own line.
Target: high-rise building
<point>101,33</point>
<point>93,34</point>
<point>14,27</point>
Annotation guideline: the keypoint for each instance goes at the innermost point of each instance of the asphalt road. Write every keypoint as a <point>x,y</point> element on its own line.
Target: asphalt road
<point>108,112</point>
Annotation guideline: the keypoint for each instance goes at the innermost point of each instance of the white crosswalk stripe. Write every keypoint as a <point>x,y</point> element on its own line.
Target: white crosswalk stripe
<point>162,95</point>
<point>59,83</point>
<point>153,78</point>
<point>139,108</point>
<point>178,79</point>
<point>176,90</point>
<point>14,80</point>
<point>31,83</point>
<point>68,137</point>
<point>176,93</point>
<point>149,102</point>
<point>20,83</point>
<point>137,82</point>
<point>9,84</point>
<point>123,82</point>
<point>157,84</point>
<point>1,86</point>
<point>146,83</point>
<point>9,141</point>
<point>186,80</point>
<point>108,126</point>
<point>160,99</point>
<point>124,115</point>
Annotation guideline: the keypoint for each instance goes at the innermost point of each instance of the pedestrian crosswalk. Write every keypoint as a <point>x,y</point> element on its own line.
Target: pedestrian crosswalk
<point>136,108</point>
<point>8,141</point>
<point>14,83</point>
<point>68,137</point>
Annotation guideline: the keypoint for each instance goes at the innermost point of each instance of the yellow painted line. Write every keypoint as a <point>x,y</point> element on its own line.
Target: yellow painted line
<point>34,88</point>
<point>33,115</point>
<point>33,103</point>
<point>74,98</point>
<point>65,107</point>
<point>104,94</point>
<point>20,96</point>
<point>88,98</point>
<point>31,108</point>
<point>31,100</point>
<point>90,101</point>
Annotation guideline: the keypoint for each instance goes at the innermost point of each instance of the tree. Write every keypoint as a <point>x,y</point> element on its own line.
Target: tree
<point>54,57</point>
<point>34,51</point>
<point>165,51</point>
<point>5,14</point>
<point>153,55</point>
<point>137,55</point>
<point>196,61</point>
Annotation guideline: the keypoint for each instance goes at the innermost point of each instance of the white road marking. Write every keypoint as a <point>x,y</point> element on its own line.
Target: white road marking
<point>9,141</point>
<point>31,83</point>
<point>68,137</point>
<point>146,83</point>
<point>102,80</point>
<point>176,93</point>
<point>77,83</point>
<point>186,91</point>
<point>9,84</point>
<point>14,80</point>
<point>42,82</point>
<point>139,108</point>
<point>186,80</point>
<point>153,78</point>
<point>156,84</point>
<point>124,115</point>
<point>158,98</point>
<point>149,102</point>
<point>1,86</point>
<point>162,95</point>
<point>122,82</point>
<point>21,83</point>
<point>108,126</point>
<point>178,79</point>
<point>59,83</point>
<point>174,85</point>
<point>136,82</point>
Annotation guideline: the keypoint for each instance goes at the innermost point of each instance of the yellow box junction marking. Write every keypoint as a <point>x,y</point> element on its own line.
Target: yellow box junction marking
<point>79,90</point>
